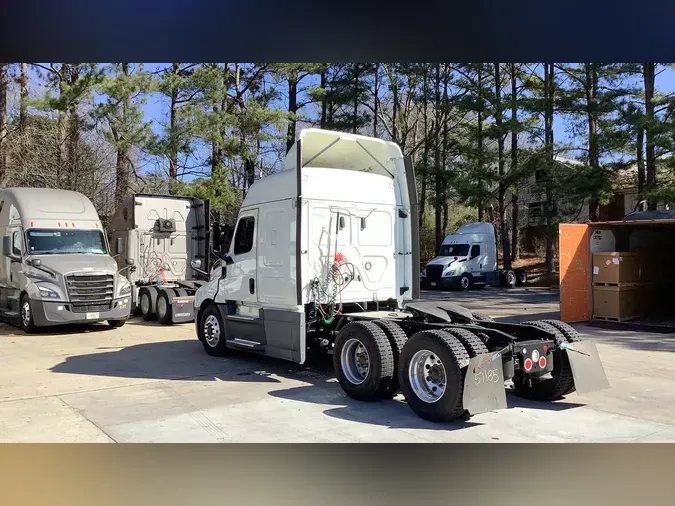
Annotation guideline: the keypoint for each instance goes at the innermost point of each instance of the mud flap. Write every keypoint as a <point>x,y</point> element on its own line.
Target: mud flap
<point>484,384</point>
<point>182,310</point>
<point>587,370</point>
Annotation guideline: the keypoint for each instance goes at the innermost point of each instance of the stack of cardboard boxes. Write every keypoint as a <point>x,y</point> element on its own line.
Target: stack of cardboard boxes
<point>621,285</point>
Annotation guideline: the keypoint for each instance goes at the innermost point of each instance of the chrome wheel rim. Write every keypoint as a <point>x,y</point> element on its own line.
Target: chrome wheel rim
<point>355,361</point>
<point>511,278</point>
<point>161,307</point>
<point>145,303</point>
<point>25,314</point>
<point>427,377</point>
<point>211,331</point>
<point>465,282</point>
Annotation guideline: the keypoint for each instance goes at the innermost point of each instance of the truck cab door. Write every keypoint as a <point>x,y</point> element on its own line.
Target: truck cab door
<point>476,261</point>
<point>240,283</point>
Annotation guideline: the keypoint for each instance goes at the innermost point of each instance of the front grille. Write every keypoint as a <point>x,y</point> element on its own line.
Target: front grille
<point>90,290</point>
<point>434,272</point>
<point>91,308</point>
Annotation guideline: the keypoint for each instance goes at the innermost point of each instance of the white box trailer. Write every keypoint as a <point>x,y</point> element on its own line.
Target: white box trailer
<point>164,240</point>
<point>322,261</point>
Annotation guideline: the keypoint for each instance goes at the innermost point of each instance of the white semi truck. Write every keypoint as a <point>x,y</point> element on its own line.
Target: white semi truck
<point>468,258</point>
<point>322,259</point>
<point>164,241</point>
<point>56,267</point>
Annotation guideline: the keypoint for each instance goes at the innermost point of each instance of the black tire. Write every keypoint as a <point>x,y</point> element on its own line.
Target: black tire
<point>147,300</point>
<point>26,321</point>
<point>473,344</point>
<point>465,282</point>
<point>482,317</point>
<point>211,332</point>
<point>164,309</point>
<point>454,358</point>
<point>509,279</point>
<point>397,339</point>
<point>115,324</point>
<point>565,329</point>
<point>553,389</point>
<point>521,277</point>
<point>380,361</point>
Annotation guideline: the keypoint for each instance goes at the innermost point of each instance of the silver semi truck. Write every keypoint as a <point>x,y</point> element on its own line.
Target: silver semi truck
<point>56,266</point>
<point>164,241</point>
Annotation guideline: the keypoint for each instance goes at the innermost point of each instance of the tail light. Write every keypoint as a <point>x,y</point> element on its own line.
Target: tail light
<point>527,365</point>
<point>542,362</point>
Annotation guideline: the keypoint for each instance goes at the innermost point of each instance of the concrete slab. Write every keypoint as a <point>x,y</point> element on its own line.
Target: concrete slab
<point>148,383</point>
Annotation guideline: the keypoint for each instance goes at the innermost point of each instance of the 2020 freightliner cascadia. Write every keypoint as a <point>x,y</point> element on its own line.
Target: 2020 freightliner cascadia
<point>324,257</point>
<point>56,266</point>
<point>164,241</point>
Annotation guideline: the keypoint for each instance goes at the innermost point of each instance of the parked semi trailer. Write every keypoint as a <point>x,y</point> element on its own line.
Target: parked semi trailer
<point>56,266</point>
<point>324,258</point>
<point>164,240</point>
<point>468,258</point>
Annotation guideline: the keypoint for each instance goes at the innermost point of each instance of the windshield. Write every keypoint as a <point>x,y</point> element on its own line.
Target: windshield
<point>453,250</point>
<point>63,242</point>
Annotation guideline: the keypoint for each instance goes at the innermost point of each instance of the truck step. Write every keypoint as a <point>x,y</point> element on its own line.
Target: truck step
<point>243,343</point>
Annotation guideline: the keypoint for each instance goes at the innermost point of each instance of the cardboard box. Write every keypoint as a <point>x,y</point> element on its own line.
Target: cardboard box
<point>616,267</point>
<point>618,301</point>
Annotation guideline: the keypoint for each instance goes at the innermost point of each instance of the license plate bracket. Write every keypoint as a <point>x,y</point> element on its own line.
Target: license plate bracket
<point>93,315</point>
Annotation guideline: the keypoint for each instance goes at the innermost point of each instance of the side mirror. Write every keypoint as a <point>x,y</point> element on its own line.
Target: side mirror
<point>7,246</point>
<point>228,259</point>
<point>36,262</point>
<point>119,245</point>
<point>130,261</point>
<point>196,263</point>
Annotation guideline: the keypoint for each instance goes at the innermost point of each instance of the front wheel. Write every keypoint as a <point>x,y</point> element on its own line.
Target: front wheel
<point>212,332</point>
<point>115,324</point>
<point>465,282</point>
<point>26,315</point>
<point>509,279</point>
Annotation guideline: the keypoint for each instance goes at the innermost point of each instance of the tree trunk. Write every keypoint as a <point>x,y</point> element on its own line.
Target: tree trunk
<point>591,72</point>
<point>438,179</point>
<point>549,94</point>
<point>641,175</point>
<point>394,112</point>
<point>292,109</point>
<point>355,115</point>
<point>649,73</point>
<point>4,85</point>
<point>23,107</point>
<point>324,100</point>
<point>501,164</point>
<point>425,152</point>
<point>173,145</point>
<point>73,143</point>
<point>376,100</point>
<point>479,142</point>
<point>123,164</point>
<point>515,250</point>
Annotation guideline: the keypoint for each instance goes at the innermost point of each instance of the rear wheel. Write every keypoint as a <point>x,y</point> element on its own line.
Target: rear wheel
<point>521,277</point>
<point>212,332</point>
<point>431,372</point>
<point>565,329</point>
<point>482,317</point>
<point>147,297</point>
<point>397,339</point>
<point>363,361</point>
<point>562,382</point>
<point>163,308</point>
<point>509,279</point>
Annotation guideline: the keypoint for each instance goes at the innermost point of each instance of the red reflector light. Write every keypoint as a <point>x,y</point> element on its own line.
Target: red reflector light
<point>542,362</point>
<point>528,364</point>
<point>545,347</point>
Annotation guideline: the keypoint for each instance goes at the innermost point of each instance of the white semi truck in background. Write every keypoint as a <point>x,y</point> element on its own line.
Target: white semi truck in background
<point>56,267</point>
<point>468,258</point>
<point>164,241</point>
<point>324,258</point>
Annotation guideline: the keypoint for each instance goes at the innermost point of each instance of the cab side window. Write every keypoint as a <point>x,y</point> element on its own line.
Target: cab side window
<point>243,240</point>
<point>17,243</point>
<point>475,251</point>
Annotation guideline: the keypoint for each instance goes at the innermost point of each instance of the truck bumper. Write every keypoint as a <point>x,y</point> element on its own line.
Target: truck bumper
<point>47,313</point>
<point>445,282</point>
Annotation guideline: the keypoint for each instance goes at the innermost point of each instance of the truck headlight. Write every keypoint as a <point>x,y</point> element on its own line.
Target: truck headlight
<point>451,273</point>
<point>48,293</point>
<point>125,289</point>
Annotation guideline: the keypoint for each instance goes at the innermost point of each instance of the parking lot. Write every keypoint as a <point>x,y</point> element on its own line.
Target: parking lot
<point>149,383</point>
